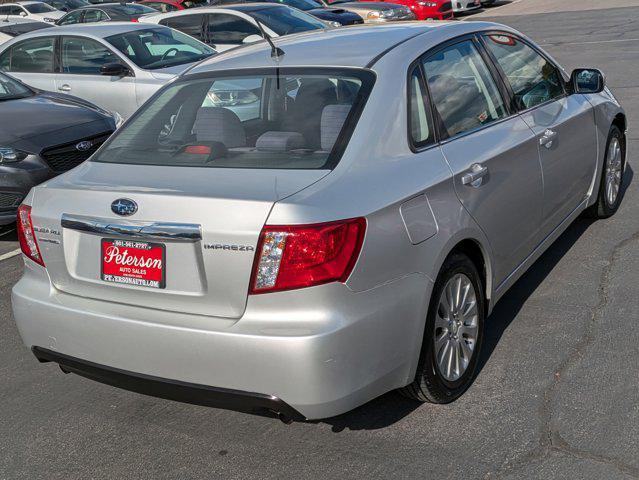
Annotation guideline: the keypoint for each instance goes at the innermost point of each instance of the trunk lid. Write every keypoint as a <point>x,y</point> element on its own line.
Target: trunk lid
<point>206,276</point>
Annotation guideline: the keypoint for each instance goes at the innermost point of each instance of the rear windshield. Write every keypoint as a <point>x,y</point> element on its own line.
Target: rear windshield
<point>20,28</point>
<point>294,120</point>
<point>284,20</point>
<point>161,47</point>
<point>132,9</point>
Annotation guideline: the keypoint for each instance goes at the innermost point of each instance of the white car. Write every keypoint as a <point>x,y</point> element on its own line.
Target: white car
<point>114,65</point>
<point>32,10</point>
<point>460,6</point>
<point>233,25</point>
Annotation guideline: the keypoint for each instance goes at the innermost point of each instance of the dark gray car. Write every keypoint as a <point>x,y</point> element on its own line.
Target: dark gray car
<point>46,134</point>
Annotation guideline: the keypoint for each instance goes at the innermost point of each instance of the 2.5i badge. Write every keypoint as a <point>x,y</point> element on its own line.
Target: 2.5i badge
<point>133,263</point>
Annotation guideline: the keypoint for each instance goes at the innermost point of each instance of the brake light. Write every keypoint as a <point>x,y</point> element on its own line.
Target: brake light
<point>135,20</point>
<point>26,235</point>
<point>300,256</point>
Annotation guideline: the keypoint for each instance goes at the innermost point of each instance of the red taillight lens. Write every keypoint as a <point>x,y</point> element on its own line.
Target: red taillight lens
<point>26,236</point>
<point>135,20</point>
<point>305,255</point>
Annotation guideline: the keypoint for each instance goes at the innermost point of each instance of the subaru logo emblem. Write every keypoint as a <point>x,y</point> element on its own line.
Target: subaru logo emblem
<point>124,207</point>
<point>83,146</point>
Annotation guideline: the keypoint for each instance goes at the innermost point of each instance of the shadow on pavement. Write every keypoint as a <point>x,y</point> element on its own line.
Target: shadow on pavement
<point>392,407</point>
<point>8,233</point>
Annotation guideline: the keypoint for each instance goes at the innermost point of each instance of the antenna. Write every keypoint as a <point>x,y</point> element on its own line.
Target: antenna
<point>276,52</point>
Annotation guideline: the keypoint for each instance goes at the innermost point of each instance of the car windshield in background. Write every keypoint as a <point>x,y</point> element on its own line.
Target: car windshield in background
<point>194,3</point>
<point>77,3</point>
<point>10,89</point>
<point>291,121</point>
<point>156,48</point>
<point>300,4</point>
<point>129,9</point>
<point>39,8</point>
<point>284,21</point>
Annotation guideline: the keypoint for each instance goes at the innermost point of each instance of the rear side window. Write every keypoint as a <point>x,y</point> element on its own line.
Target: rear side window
<point>298,119</point>
<point>93,16</point>
<point>71,18</point>
<point>229,29</point>
<point>419,118</point>
<point>84,56</point>
<point>534,80</point>
<point>189,24</point>
<point>34,55</point>
<point>463,90</point>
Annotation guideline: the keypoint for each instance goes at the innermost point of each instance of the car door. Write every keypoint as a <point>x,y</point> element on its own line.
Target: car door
<point>191,24</point>
<point>226,30</point>
<point>563,124</point>
<point>32,61</point>
<point>80,62</point>
<point>492,153</point>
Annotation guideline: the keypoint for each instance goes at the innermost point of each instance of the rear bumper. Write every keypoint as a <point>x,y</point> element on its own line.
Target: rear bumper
<point>172,389</point>
<point>318,352</point>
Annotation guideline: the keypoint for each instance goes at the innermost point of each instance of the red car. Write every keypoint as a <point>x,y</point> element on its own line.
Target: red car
<point>165,6</point>
<point>427,9</point>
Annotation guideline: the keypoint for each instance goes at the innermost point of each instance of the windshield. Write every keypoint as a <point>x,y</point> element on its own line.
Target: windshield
<point>39,8</point>
<point>130,9</point>
<point>284,21</point>
<point>194,3</point>
<point>159,48</point>
<point>299,119</point>
<point>10,89</point>
<point>77,3</point>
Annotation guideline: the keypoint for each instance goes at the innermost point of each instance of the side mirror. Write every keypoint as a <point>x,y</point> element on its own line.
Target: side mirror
<point>252,38</point>
<point>114,70</point>
<point>587,80</point>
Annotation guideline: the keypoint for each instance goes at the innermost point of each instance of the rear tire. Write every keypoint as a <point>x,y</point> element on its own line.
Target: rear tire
<point>452,335</point>
<point>609,194</point>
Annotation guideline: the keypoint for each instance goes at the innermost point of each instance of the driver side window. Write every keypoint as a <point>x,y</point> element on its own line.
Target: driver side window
<point>534,80</point>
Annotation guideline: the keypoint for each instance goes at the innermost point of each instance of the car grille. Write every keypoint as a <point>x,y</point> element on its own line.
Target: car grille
<point>446,6</point>
<point>9,200</point>
<point>65,157</point>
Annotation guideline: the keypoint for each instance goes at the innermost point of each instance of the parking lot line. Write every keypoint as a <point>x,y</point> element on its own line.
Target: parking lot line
<point>10,254</point>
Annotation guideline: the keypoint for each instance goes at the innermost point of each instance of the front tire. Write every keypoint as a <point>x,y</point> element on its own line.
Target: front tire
<point>452,335</point>
<point>609,195</point>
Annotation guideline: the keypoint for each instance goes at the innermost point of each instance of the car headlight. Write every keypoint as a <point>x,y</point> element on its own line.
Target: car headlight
<point>427,4</point>
<point>11,155</point>
<point>373,15</point>
<point>335,24</point>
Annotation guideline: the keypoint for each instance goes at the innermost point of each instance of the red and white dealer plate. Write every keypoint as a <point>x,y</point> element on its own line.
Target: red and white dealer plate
<point>133,263</point>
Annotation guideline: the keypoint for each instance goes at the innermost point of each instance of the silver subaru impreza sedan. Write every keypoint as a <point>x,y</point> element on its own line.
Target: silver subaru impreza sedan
<point>287,231</point>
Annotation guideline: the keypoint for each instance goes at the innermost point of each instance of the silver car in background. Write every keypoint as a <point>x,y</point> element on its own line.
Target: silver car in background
<point>116,65</point>
<point>348,238</point>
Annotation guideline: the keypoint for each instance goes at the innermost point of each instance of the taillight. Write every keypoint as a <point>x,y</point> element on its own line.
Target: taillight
<point>300,256</point>
<point>135,20</point>
<point>26,236</point>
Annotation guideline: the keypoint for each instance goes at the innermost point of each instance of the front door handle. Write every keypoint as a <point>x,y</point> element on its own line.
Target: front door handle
<point>547,138</point>
<point>65,88</point>
<point>475,176</point>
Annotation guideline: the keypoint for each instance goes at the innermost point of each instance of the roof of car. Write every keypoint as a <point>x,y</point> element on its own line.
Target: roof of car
<point>97,30</point>
<point>358,45</point>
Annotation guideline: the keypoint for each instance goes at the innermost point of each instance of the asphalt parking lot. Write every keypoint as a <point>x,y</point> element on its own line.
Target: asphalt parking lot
<point>557,395</point>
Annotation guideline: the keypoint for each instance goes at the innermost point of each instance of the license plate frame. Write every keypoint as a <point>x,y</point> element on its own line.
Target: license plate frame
<point>135,277</point>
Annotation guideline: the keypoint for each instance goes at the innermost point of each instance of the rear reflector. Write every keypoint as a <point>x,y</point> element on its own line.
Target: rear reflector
<point>300,256</point>
<point>26,235</point>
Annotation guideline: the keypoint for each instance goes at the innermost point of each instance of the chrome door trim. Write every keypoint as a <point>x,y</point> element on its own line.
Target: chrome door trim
<point>189,232</point>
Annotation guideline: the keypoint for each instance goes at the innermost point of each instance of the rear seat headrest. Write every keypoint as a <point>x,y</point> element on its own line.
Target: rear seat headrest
<point>280,141</point>
<point>333,118</point>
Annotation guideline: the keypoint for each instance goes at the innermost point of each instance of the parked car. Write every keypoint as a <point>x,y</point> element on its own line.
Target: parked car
<point>334,247</point>
<point>115,65</point>
<point>335,16</point>
<point>426,10</point>
<point>66,5</point>
<point>460,6</point>
<point>30,9</point>
<point>43,134</point>
<point>12,28</point>
<point>227,27</point>
<point>374,12</point>
<point>106,12</point>
<point>164,6</point>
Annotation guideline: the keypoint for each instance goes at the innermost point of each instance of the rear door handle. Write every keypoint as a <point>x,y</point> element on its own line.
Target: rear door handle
<point>547,138</point>
<point>65,88</point>
<point>475,176</point>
